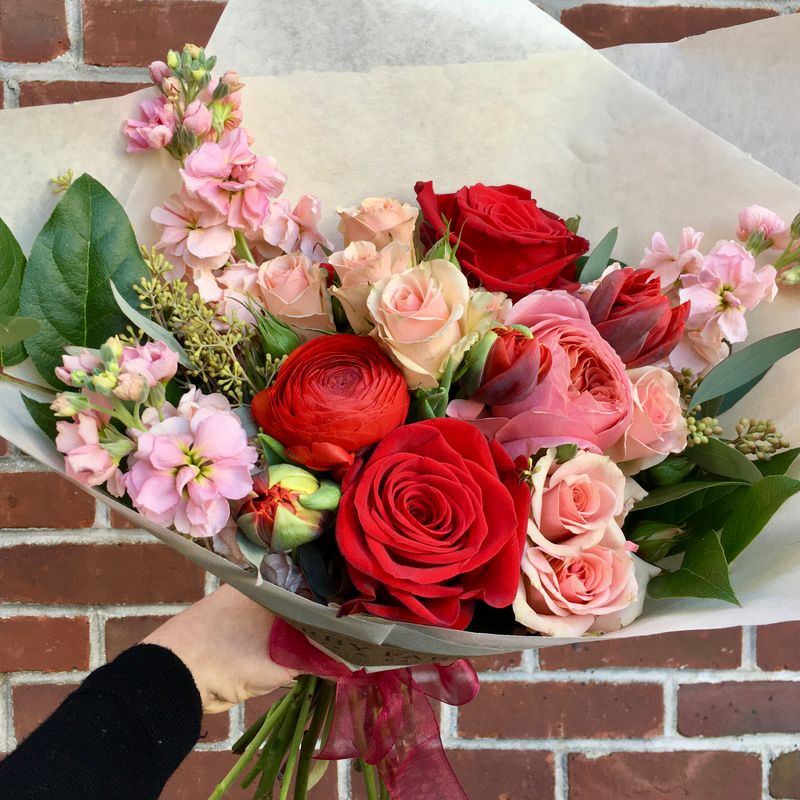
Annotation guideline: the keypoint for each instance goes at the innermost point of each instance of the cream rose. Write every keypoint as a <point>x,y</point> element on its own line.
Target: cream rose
<point>361,265</point>
<point>658,427</point>
<point>379,220</point>
<point>295,290</point>
<point>426,316</point>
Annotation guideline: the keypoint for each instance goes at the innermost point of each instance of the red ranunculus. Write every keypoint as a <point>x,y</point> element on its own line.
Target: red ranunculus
<point>635,318</point>
<point>333,396</point>
<point>506,242</point>
<point>432,521</point>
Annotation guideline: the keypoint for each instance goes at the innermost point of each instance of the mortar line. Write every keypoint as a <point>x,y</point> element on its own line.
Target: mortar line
<point>749,648</point>
<point>97,639</point>
<point>561,776</point>
<point>670,706</point>
<point>74,14</point>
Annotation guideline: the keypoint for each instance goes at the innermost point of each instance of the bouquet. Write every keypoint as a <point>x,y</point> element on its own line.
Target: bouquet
<point>458,415</point>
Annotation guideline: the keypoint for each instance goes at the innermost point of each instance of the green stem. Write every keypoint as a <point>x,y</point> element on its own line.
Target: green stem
<point>4,376</point>
<point>384,790</point>
<point>325,696</point>
<point>370,779</point>
<point>299,730</point>
<point>241,249</point>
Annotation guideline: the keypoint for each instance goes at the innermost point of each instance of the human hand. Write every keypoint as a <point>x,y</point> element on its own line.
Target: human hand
<point>222,639</point>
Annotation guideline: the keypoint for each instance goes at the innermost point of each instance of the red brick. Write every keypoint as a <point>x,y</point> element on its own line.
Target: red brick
<point>784,776</point>
<point>258,706</point>
<point>497,663</point>
<point>606,25</point>
<point>779,646</point>
<point>733,709</point>
<point>122,33</point>
<point>511,710</point>
<point>3,442</point>
<point>124,632</point>
<point>32,30</point>
<point>44,644</point>
<point>88,574</point>
<point>21,503</point>
<point>120,522</point>
<point>721,649</point>
<point>672,776</point>
<point>35,703</point>
<point>39,93</point>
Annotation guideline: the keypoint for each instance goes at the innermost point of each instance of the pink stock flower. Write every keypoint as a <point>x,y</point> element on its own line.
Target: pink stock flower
<point>197,118</point>
<point>757,219</point>
<point>699,350</point>
<point>80,360</point>
<point>238,281</point>
<point>585,398</point>
<point>658,427</point>
<point>187,467</point>
<point>156,127</point>
<point>295,228</point>
<point>153,361</point>
<point>85,459</point>
<point>226,113</point>
<point>725,288</point>
<point>193,235</point>
<point>158,72</point>
<point>232,180</point>
<point>668,267</point>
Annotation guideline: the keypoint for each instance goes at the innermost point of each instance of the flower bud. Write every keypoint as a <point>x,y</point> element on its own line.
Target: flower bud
<point>158,72</point>
<point>232,81</point>
<point>131,387</point>
<point>104,382</point>
<point>173,59</point>
<point>68,404</point>
<point>193,50</point>
<point>197,118</point>
<point>277,339</point>
<point>290,507</point>
<point>171,87</point>
<point>111,350</point>
<point>198,73</point>
<point>656,540</point>
<point>791,277</point>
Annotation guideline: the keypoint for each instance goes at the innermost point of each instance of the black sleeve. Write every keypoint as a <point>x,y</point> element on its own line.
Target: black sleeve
<point>119,736</point>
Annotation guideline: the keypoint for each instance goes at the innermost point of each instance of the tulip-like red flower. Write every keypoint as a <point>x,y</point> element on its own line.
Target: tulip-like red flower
<point>635,318</point>
<point>432,521</point>
<point>506,242</point>
<point>333,396</point>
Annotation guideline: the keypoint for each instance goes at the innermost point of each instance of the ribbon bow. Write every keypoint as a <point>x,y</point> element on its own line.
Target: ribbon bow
<point>385,718</point>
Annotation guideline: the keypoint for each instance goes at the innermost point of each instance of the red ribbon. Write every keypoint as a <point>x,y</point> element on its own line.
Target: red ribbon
<point>385,718</point>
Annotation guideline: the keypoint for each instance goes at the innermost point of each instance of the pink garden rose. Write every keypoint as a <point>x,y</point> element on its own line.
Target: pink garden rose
<point>668,267</point>
<point>85,458</point>
<point>757,219</point>
<point>187,467</point>
<point>229,177</point>
<point>296,228</point>
<point>154,129</point>
<point>585,398</point>
<point>359,267</point>
<point>295,290</point>
<point>379,220</point>
<point>577,504</point>
<point>658,427</point>
<point>598,591</point>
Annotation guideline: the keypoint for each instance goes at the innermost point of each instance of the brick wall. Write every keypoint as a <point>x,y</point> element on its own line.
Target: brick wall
<point>695,716</point>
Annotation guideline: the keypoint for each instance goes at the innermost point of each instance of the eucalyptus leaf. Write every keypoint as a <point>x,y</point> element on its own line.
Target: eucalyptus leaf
<point>13,330</point>
<point>780,463</point>
<point>721,459</point>
<point>703,573</point>
<point>87,242</point>
<point>599,257</point>
<point>753,510</point>
<point>730,399</point>
<point>155,331</point>
<point>743,366</point>
<point>668,494</point>
<point>41,414</point>
<point>12,268</point>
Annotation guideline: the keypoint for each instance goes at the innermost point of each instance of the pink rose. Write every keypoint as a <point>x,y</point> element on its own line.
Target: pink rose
<point>658,427</point>
<point>156,127</point>
<point>85,459</point>
<point>361,265</point>
<point>757,219</point>
<point>576,505</point>
<point>598,591</point>
<point>197,118</point>
<point>295,290</point>
<point>585,398</point>
<point>668,267</point>
<point>379,220</point>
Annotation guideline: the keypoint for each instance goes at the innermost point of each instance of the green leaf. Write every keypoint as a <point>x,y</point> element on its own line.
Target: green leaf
<point>779,464</point>
<point>673,469</point>
<point>730,399</point>
<point>753,510</point>
<point>720,459</point>
<point>668,494</point>
<point>743,366</point>
<point>598,259</point>
<point>41,415</point>
<point>87,242</point>
<point>149,327</point>
<point>12,268</point>
<point>13,330</point>
<point>704,573</point>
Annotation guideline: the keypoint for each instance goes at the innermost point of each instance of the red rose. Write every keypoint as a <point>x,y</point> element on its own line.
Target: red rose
<point>506,242</point>
<point>635,318</point>
<point>432,521</point>
<point>333,396</point>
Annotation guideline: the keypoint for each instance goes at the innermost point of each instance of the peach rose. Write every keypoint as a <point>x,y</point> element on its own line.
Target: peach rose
<point>379,220</point>
<point>426,316</point>
<point>361,265</point>
<point>598,591</point>
<point>295,290</point>
<point>658,427</point>
<point>576,504</point>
